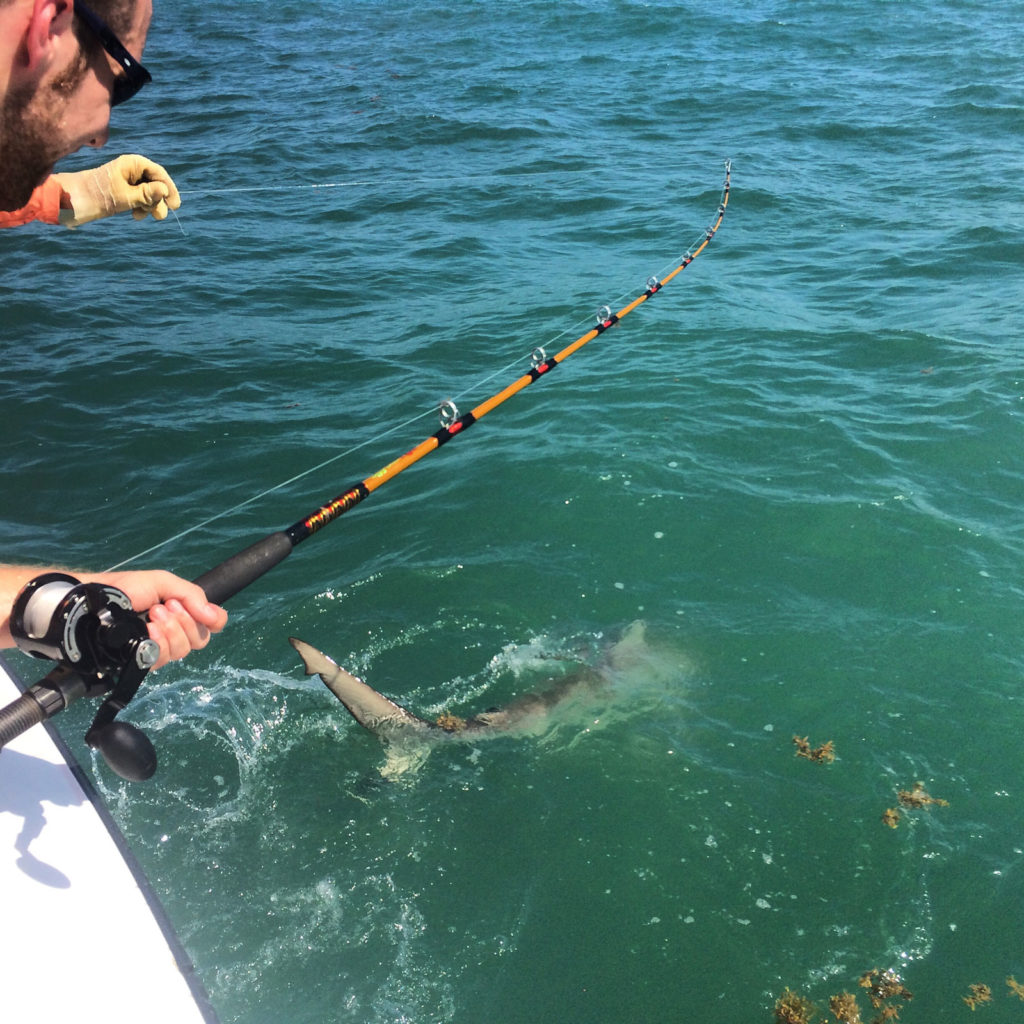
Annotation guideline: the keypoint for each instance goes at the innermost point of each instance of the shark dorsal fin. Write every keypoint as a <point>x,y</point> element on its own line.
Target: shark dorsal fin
<point>370,709</point>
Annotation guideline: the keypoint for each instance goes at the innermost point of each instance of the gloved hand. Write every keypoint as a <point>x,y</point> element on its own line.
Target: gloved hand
<point>127,183</point>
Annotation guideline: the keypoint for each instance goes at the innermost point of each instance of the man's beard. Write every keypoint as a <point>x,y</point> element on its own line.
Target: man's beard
<point>31,136</point>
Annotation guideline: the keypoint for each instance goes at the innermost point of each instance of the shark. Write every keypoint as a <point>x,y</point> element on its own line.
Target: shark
<point>392,722</point>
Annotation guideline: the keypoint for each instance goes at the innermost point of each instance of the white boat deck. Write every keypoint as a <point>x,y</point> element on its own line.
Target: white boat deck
<point>82,937</point>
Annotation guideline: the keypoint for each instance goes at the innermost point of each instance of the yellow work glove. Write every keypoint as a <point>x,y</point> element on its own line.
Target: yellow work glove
<point>127,183</point>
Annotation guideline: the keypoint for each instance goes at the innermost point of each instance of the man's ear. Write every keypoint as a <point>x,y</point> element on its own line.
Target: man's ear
<point>48,34</point>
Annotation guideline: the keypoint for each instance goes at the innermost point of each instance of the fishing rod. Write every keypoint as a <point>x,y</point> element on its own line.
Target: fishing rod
<point>238,571</point>
<point>101,645</point>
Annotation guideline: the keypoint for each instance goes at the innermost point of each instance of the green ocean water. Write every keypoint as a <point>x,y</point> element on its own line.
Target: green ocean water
<point>799,465</point>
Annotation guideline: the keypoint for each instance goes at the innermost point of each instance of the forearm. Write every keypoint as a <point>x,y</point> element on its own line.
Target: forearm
<point>180,617</point>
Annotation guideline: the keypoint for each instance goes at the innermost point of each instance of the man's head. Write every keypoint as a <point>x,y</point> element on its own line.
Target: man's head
<point>59,83</point>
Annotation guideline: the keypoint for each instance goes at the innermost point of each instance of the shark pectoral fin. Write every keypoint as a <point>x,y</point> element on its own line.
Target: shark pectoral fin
<point>370,709</point>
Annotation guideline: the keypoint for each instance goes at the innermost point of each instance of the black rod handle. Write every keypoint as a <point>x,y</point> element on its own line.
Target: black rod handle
<point>238,571</point>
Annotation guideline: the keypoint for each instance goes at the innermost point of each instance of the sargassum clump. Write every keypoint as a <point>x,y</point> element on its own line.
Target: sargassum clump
<point>825,754</point>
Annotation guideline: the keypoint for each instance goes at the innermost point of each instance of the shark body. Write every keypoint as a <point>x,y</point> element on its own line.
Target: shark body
<point>390,721</point>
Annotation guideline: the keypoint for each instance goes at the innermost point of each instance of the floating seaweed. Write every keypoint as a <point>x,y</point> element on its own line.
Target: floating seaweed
<point>884,989</point>
<point>825,754</point>
<point>844,1008</point>
<point>979,994</point>
<point>791,1008</point>
<point>884,986</point>
<point>888,1013</point>
<point>450,722</point>
<point>918,797</point>
<point>913,798</point>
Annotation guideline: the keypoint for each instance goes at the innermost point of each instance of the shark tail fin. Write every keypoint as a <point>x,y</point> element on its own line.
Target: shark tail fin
<point>370,709</point>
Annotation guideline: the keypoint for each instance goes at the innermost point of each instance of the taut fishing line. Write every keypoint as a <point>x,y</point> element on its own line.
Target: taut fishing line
<point>272,188</point>
<point>240,570</point>
<point>473,179</point>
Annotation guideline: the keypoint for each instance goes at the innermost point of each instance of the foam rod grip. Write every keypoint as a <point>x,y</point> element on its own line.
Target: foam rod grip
<point>238,571</point>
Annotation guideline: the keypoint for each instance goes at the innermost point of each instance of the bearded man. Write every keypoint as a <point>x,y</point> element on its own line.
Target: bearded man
<point>63,65</point>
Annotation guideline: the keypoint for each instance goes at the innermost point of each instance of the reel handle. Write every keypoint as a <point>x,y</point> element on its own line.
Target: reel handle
<point>127,750</point>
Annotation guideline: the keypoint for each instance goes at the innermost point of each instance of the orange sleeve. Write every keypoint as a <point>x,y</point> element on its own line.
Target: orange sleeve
<point>44,205</point>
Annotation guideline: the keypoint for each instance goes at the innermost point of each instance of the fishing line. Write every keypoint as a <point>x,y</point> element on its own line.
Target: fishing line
<point>277,487</point>
<point>272,188</point>
<point>382,183</point>
<point>178,220</point>
<point>431,411</point>
<point>394,428</point>
<point>241,569</point>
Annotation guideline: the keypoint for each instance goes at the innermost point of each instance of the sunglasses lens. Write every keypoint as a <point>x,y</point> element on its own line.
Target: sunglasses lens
<point>123,91</point>
<point>127,85</point>
<point>134,76</point>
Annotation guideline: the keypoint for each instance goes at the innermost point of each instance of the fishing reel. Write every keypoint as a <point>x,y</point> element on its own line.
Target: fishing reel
<point>102,647</point>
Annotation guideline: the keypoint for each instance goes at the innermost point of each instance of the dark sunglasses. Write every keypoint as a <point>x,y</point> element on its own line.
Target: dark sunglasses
<point>135,75</point>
